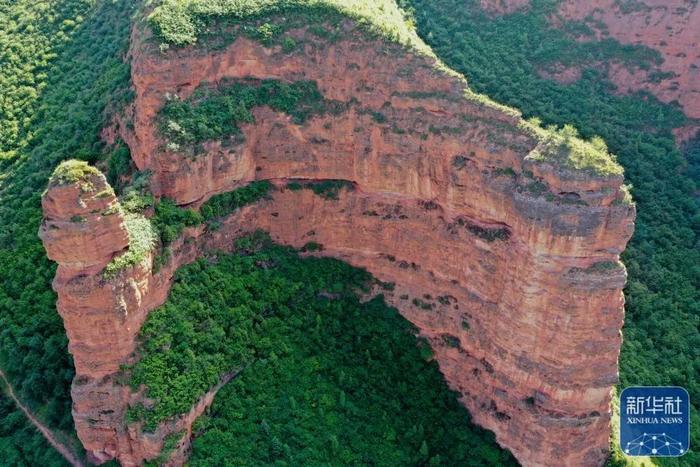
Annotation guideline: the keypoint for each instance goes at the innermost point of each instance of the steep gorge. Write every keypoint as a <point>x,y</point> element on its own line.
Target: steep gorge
<point>451,197</point>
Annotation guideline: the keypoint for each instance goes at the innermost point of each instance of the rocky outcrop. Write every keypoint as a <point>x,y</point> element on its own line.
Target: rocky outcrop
<point>82,226</point>
<point>83,230</point>
<point>671,27</point>
<point>507,263</point>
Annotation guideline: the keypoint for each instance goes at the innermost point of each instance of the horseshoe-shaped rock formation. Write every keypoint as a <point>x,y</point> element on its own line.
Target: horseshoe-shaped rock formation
<point>508,244</point>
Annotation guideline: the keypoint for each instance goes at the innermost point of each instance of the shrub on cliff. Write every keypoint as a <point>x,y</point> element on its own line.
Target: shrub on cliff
<point>72,171</point>
<point>327,189</point>
<point>224,204</point>
<point>170,220</point>
<point>142,239</point>
<point>564,147</point>
<point>217,112</point>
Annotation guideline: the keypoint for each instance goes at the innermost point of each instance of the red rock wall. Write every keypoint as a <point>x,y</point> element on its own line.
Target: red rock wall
<point>344,70</point>
<point>83,230</point>
<point>539,359</point>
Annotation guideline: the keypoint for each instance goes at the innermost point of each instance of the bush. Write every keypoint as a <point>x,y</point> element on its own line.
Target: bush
<point>72,171</point>
<point>142,238</point>
<point>170,220</point>
<point>223,204</point>
<point>119,165</point>
<point>217,112</point>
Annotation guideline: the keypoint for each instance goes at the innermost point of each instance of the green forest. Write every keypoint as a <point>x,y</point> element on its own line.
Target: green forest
<point>20,443</point>
<point>500,56</point>
<point>323,378</point>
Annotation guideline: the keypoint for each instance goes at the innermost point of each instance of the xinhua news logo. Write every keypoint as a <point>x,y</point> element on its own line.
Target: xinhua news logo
<point>654,421</point>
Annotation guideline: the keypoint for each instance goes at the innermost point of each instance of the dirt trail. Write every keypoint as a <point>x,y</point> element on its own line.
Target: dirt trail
<point>62,449</point>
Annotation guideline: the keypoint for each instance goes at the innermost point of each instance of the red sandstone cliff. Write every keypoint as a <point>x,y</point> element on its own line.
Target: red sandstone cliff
<point>539,357</point>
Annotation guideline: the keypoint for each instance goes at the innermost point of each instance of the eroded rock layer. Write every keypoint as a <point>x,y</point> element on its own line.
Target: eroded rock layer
<point>508,265</point>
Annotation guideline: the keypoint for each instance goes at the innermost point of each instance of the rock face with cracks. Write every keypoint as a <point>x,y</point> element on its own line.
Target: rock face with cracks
<point>509,262</point>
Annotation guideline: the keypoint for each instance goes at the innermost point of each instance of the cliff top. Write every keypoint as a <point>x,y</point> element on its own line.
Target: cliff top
<point>183,23</point>
<point>72,171</point>
<point>564,148</point>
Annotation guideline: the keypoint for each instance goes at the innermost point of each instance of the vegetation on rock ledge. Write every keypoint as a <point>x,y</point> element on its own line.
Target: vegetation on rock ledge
<point>223,204</point>
<point>72,171</point>
<point>170,219</point>
<point>142,238</point>
<point>327,189</point>
<point>216,112</point>
<point>565,148</point>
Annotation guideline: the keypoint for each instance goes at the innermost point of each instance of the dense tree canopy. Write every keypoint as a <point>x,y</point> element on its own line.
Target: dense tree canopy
<point>324,378</point>
<point>20,442</point>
